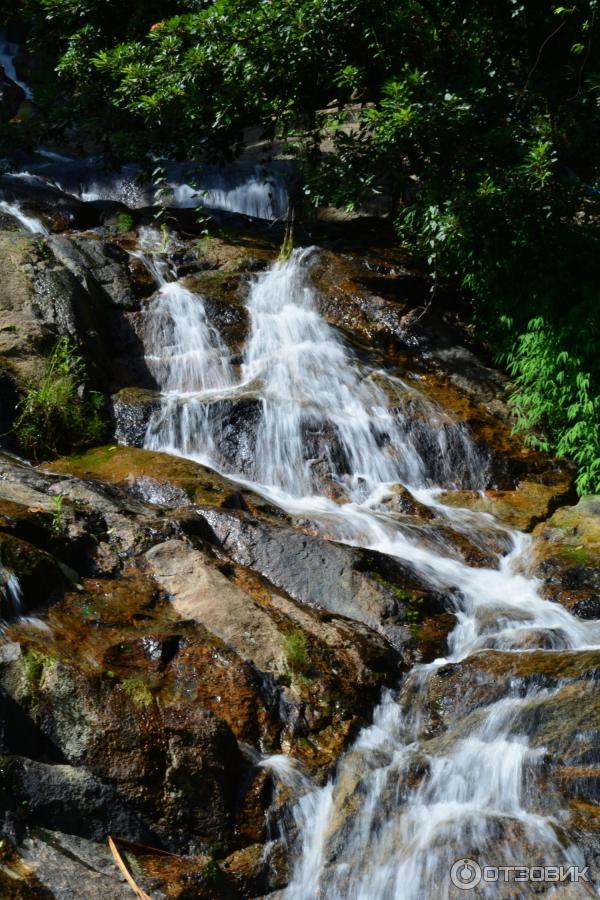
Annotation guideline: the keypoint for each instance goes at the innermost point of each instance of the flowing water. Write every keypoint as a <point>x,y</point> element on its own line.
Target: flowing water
<point>251,190</point>
<point>476,792</point>
<point>29,223</point>
<point>8,52</point>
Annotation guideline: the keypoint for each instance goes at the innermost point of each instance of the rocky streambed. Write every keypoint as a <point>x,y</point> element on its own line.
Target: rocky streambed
<point>183,657</point>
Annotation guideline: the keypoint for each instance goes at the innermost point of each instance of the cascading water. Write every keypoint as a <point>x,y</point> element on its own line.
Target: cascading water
<point>29,223</point>
<point>187,358</point>
<point>310,385</point>
<point>255,192</point>
<point>418,802</point>
<point>250,190</point>
<point>8,52</point>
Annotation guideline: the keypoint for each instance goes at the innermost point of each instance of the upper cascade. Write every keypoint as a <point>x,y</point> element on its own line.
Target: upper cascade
<point>250,189</point>
<point>312,393</point>
<point>8,52</point>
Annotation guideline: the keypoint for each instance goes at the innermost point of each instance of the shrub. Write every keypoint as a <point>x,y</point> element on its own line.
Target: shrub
<point>124,222</point>
<point>554,401</point>
<point>57,415</point>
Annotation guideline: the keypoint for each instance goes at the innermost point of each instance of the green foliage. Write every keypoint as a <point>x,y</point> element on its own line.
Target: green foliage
<point>554,402</point>
<point>55,416</point>
<point>296,652</point>
<point>57,515</point>
<point>124,222</point>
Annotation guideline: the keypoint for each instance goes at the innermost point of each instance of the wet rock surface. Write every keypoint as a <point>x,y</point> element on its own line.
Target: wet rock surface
<point>155,664</point>
<point>566,557</point>
<point>167,631</point>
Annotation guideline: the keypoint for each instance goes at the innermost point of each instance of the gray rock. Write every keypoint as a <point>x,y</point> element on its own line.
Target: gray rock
<point>200,592</point>
<point>10,652</point>
<point>99,266</point>
<point>132,409</point>
<point>65,798</point>
<point>344,580</point>
<point>71,867</point>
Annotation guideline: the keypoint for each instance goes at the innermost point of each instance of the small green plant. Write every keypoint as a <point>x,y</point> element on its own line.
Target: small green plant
<point>287,246</point>
<point>124,222</point>
<point>162,196</point>
<point>42,248</point>
<point>204,221</point>
<point>210,872</point>
<point>137,691</point>
<point>296,652</point>
<point>55,416</point>
<point>164,244</point>
<point>414,614</point>
<point>34,663</point>
<point>57,515</point>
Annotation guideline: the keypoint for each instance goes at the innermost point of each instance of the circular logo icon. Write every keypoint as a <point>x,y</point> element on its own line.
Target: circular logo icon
<point>465,874</point>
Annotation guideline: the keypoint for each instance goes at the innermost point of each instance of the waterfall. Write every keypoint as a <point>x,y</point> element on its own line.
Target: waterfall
<point>309,384</point>
<point>187,358</point>
<point>250,190</point>
<point>313,392</point>
<point>11,593</point>
<point>255,192</point>
<point>29,223</point>
<point>418,803</point>
<point>8,52</point>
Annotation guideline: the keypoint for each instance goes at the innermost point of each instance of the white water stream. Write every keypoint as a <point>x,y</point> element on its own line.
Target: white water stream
<point>251,190</point>
<point>8,52</point>
<point>29,223</point>
<point>476,794</point>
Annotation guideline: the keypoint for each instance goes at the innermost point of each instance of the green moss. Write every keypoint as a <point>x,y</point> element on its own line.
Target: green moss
<point>296,652</point>
<point>134,865</point>
<point>137,691</point>
<point>415,601</point>
<point>578,556</point>
<point>119,465</point>
<point>210,872</point>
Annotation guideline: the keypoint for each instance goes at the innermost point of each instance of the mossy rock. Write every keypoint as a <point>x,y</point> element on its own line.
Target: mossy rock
<point>523,508</point>
<point>163,480</point>
<point>567,557</point>
<point>127,466</point>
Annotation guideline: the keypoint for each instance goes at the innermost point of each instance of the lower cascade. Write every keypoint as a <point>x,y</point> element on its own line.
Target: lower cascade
<point>407,801</point>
